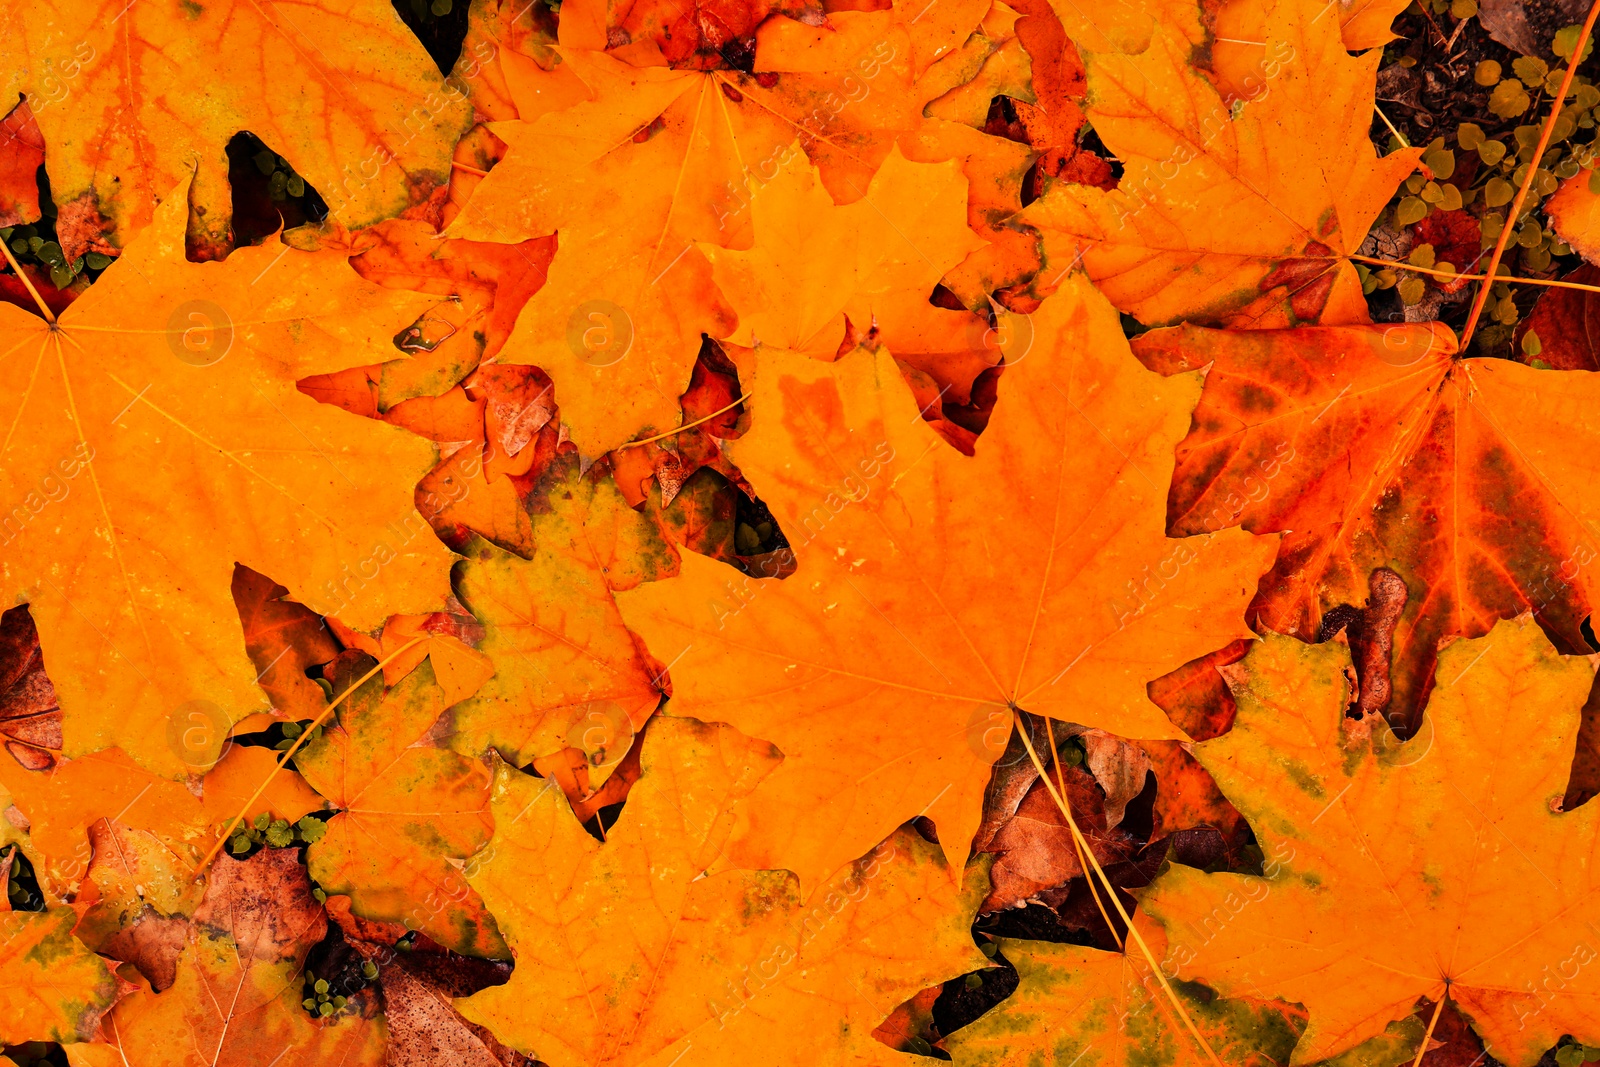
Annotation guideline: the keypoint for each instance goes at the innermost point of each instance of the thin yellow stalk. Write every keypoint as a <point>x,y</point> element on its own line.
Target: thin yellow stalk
<point>1533,170</point>
<point>304,736</point>
<point>44,309</point>
<point>1133,931</point>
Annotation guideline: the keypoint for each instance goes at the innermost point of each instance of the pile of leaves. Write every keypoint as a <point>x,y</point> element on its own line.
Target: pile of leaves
<point>604,533</point>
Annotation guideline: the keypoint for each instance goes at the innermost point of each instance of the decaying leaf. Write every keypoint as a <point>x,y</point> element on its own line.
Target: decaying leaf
<point>52,988</point>
<point>236,999</point>
<point>577,678</point>
<point>407,807</point>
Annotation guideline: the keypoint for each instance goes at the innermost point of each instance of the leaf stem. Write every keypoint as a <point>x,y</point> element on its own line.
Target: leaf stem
<point>1398,136</point>
<point>1533,171</point>
<point>1476,277</point>
<point>1133,931</point>
<point>304,736</point>
<point>1422,1049</point>
<point>680,429</point>
<point>1083,864</point>
<point>469,170</point>
<point>44,309</point>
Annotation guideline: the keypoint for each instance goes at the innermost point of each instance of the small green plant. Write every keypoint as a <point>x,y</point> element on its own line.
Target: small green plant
<point>267,832</point>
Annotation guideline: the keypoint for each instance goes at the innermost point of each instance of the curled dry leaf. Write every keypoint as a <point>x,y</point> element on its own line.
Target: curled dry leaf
<point>1035,848</point>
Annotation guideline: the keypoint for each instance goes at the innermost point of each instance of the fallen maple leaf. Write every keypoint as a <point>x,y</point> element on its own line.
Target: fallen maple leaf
<point>52,988</point>
<point>131,99</point>
<point>1374,447</point>
<point>935,592</point>
<point>631,951</point>
<point>575,677</point>
<point>812,262</point>
<point>1229,210</point>
<point>406,808</point>
<point>137,475</point>
<point>138,900</point>
<point>1467,878</point>
<point>236,999</point>
<point>1076,1004</point>
<point>656,161</point>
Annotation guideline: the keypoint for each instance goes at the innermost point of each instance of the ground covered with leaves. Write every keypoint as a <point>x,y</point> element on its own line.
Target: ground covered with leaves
<point>841,531</point>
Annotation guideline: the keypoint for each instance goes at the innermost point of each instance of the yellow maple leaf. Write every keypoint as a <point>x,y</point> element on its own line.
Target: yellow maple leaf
<point>153,437</point>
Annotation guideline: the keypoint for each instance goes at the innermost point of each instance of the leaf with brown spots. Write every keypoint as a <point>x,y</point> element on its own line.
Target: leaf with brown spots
<point>1437,867</point>
<point>1379,447</point>
<point>406,807</point>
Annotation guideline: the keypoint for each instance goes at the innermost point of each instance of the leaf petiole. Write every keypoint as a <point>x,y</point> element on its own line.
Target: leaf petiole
<point>1077,836</point>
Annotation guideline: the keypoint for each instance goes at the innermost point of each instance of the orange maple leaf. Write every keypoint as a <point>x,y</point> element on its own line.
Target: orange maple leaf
<point>875,261</point>
<point>153,438</point>
<point>1231,209</point>
<point>935,592</point>
<point>629,951</point>
<point>1399,871</point>
<point>574,676</point>
<point>406,808</point>
<point>52,988</point>
<point>655,161</point>
<point>1379,447</point>
<point>132,99</point>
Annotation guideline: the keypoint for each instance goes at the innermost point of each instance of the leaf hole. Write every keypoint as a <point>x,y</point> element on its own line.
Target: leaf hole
<point>268,194</point>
